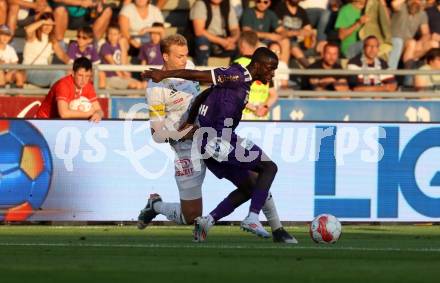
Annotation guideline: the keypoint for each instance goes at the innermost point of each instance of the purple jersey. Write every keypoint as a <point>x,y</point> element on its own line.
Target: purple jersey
<point>114,51</point>
<point>90,52</point>
<point>151,53</point>
<point>227,98</point>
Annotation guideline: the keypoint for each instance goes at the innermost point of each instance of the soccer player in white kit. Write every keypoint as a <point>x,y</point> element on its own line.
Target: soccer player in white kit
<point>169,102</point>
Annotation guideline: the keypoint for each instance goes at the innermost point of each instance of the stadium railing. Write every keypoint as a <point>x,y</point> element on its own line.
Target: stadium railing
<point>287,93</point>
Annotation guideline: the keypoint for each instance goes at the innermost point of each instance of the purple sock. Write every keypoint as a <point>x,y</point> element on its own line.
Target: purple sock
<point>258,199</point>
<point>223,209</point>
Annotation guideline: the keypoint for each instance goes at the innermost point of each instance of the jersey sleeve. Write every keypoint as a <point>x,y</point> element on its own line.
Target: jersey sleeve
<point>231,77</point>
<point>61,91</point>
<point>155,102</point>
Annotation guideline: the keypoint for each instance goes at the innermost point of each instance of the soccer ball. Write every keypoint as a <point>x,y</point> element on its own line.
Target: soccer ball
<point>325,228</point>
<point>80,104</point>
<point>25,170</point>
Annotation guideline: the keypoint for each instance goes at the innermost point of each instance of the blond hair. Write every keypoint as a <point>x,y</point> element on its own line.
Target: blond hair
<point>175,39</point>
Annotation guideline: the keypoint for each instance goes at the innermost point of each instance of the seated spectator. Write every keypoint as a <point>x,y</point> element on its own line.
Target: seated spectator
<point>297,26</point>
<point>136,23</point>
<point>38,50</point>
<point>8,56</point>
<point>83,47</point>
<point>369,60</point>
<point>261,96</point>
<point>281,78</point>
<point>216,30</point>
<point>318,13</point>
<point>348,23</point>
<point>379,25</point>
<point>429,82</point>
<point>329,61</point>
<point>150,52</point>
<point>263,21</point>
<point>24,12</point>
<point>434,20</point>
<point>111,53</point>
<point>408,19</point>
<point>73,96</point>
<point>75,14</point>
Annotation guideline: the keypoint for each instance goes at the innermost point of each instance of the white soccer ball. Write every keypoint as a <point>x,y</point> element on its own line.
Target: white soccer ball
<point>80,104</point>
<point>326,229</point>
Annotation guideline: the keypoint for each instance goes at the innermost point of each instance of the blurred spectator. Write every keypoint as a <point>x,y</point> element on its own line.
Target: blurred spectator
<point>318,13</point>
<point>8,56</point>
<point>3,11</point>
<point>24,12</point>
<point>75,14</point>
<point>429,82</point>
<point>38,50</point>
<point>297,26</point>
<point>216,29</point>
<point>408,19</point>
<point>150,52</point>
<point>73,96</point>
<point>261,96</point>
<point>369,60</point>
<point>379,25</point>
<point>348,23</point>
<point>136,23</point>
<point>329,61</point>
<point>434,20</point>
<point>281,78</point>
<point>263,21</point>
<point>83,47</point>
<point>111,53</point>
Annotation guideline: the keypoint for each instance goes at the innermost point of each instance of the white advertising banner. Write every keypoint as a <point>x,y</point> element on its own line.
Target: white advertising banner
<point>69,170</point>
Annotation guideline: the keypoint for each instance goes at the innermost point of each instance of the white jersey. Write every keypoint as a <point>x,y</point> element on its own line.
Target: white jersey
<point>170,100</point>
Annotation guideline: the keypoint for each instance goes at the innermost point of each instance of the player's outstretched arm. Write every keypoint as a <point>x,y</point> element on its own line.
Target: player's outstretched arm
<point>192,75</point>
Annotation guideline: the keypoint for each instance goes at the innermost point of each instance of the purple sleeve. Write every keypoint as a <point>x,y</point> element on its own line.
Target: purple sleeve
<point>71,50</point>
<point>105,50</point>
<point>142,53</point>
<point>95,56</point>
<point>231,76</point>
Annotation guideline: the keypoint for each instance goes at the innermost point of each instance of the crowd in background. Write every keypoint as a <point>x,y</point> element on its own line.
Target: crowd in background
<point>314,34</point>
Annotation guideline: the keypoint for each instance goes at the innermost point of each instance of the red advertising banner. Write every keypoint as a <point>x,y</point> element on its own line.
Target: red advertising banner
<point>27,106</point>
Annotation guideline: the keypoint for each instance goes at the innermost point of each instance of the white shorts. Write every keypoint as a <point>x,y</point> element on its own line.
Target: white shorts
<point>189,171</point>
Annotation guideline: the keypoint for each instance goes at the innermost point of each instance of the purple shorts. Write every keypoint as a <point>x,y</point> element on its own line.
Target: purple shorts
<point>232,159</point>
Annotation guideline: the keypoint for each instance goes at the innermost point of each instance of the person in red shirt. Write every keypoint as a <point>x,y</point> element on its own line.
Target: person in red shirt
<point>73,96</point>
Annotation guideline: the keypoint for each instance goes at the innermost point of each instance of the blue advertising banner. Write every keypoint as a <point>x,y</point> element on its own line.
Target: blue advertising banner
<point>67,170</point>
<point>324,110</point>
<point>357,110</point>
<point>120,107</point>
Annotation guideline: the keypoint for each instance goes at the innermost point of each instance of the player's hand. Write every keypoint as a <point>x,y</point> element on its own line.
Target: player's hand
<point>154,74</point>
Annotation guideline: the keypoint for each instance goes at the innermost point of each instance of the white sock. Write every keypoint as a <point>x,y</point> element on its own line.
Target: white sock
<point>171,210</point>
<point>270,211</point>
<point>253,216</point>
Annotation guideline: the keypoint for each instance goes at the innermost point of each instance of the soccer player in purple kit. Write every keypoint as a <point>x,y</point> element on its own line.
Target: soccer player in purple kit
<point>219,110</point>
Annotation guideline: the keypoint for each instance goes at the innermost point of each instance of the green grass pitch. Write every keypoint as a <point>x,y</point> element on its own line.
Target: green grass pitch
<point>166,254</point>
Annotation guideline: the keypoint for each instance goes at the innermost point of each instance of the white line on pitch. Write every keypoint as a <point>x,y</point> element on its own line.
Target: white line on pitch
<point>210,246</point>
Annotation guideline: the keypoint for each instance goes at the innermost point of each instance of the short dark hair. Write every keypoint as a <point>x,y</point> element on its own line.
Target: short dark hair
<point>264,54</point>
<point>82,63</point>
<point>87,30</point>
<point>370,37</point>
<point>432,55</point>
<point>331,44</point>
